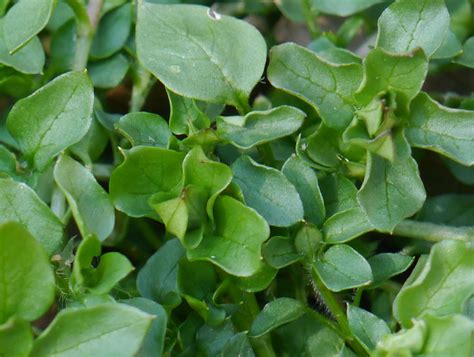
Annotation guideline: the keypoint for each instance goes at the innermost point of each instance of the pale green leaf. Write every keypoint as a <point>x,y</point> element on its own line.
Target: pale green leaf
<point>16,338</point>
<point>442,287</point>
<point>367,327</point>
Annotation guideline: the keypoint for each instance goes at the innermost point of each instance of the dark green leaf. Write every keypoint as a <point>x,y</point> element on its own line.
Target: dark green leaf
<point>145,171</point>
<point>280,252</point>
<point>189,47</point>
<point>19,203</point>
<point>343,268</point>
<point>276,313</point>
<point>260,127</point>
<point>367,327</point>
<point>305,181</point>
<point>109,72</point>
<point>268,191</point>
<point>145,129</point>
<point>91,206</point>
<point>112,33</point>
<point>386,265</point>
<point>27,287</point>
<point>111,329</point>
<point>235,245</point>
<point>447,131</point>
<point>53,118</point>
<point>158,279</point>
<point>327,87</point>
<point>392,191</point>
<point>406,25</point>
<point>24,20</point>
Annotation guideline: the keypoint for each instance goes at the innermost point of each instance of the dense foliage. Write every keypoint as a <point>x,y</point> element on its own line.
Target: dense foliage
<point>175,182</point>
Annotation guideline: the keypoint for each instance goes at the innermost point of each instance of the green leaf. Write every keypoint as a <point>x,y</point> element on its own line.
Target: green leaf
<point>91,206</point>
<point>185,115</point>
<point>448,336</point>
<point>238,345</point>
<point>451,47</point>
<point>444,130</point>
<point>187,47</point>
<point>280,252</point>
<point>109,72</point>
<point>63,46</point>
<point>112,32</point>
<point>154,341</point>
<point>467,57</point>
<point>212,340</point>
<point>269,192</point>
<point>276,313</point>
<point>16,338</point>
<point>27,287</point>
<point>235,245</point>
<point>158,279</point>
<point>25,20</point>
<point>110,329</point>
<point>305,181</point>
<point>406,25</point>
<point>405,342</point>
<point>53,118</point>
<point>402,74</point>
<point>343,7</point>
<point>92,145</point>
<point>346,225</point>
<point>328,51</point>
<point>307,241</point>
<point>8,162</point>
<point>145,129</point>
<point>343,268</point>
<point>323,146</point>
<point>211,176</point>
<point>442,287</point>
<point>257,128</point>
<point>259,281</point>
<point>451,209</point>
<point>145,171</point>
<point>386,265</point>
<point>392,191</point>
<point>340,194</point>
<point>328,88</point>
<point>367,327</point>
<point>29,59</point>
<point>112,268</point>
<point>464,174</point>
<point>19,203</point>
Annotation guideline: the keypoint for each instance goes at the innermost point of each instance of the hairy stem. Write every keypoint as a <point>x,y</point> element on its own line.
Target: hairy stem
<point>87,21</point>
<point>433,232</point>
<point>338,313</point>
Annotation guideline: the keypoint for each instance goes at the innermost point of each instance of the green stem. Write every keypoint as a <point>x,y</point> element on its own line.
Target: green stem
<point>142,83</point>
<point>87,21</point>
<point>358,296</point>
<point>309,17</point>
<point>338,313</point>
<point>243,321</point>
<point>433,232</point>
